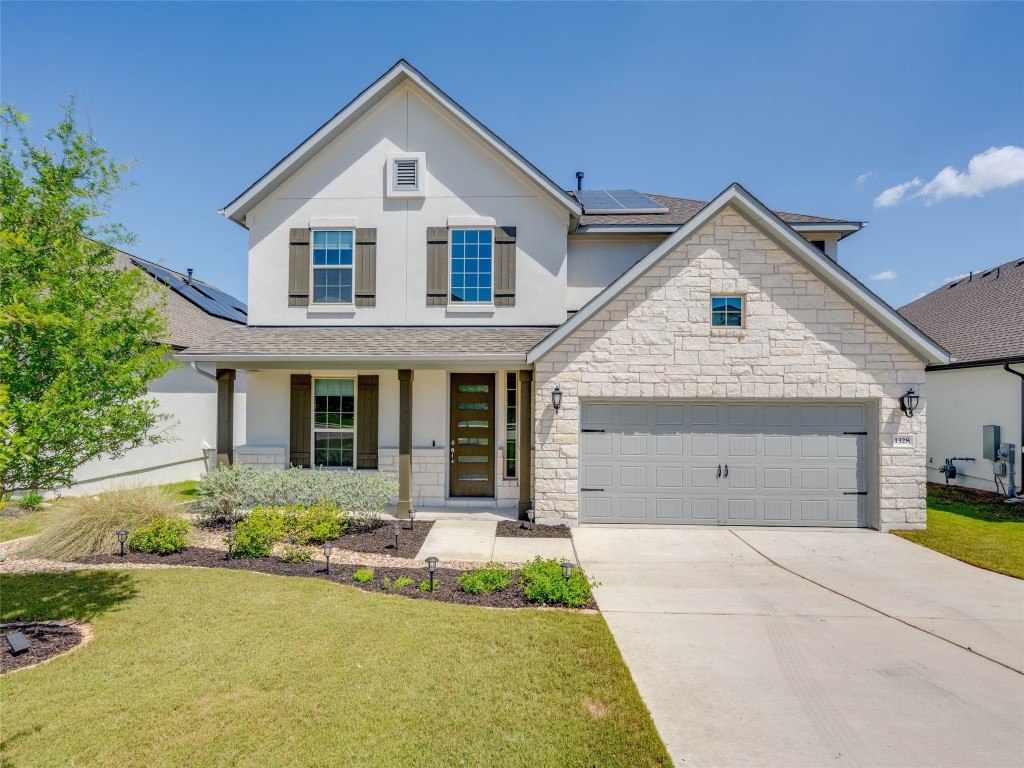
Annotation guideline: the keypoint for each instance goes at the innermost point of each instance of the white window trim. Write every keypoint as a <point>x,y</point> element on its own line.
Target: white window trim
<point>421,175</point>
<point>324,306</point>
<point>743,311</point>
<point>339,430</point>
<point>469,306</point>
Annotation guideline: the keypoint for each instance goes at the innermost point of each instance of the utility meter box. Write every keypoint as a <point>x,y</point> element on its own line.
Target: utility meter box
<point>990,442</point>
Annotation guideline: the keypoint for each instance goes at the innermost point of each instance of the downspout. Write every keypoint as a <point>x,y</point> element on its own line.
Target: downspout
<point>1020,445</point>
<point>212,377</point>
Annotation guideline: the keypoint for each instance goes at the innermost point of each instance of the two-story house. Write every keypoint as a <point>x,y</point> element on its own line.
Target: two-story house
<point>423,300</point>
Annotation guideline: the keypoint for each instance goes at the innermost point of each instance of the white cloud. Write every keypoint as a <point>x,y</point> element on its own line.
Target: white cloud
<point>886,275</point>
<point>995,168</point>
<point>893,195</point>
<point>865,176</point>
<point>952,278</point>
<point>919,296</point>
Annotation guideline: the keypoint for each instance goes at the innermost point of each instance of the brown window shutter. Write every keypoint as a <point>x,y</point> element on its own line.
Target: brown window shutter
<point>298,267</point>
<point>437,266</point>
<point>366,432</point>
<point>299,437</point>
<point>504,266</point>
<point>366,268</point>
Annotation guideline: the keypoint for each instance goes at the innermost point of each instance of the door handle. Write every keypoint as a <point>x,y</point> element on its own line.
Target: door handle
<point>719,472</point>
<point>453,455</point>
<point>726,470</point>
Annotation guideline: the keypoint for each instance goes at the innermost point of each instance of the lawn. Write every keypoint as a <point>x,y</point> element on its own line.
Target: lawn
<point>204,668</point>
<point>974,526</point>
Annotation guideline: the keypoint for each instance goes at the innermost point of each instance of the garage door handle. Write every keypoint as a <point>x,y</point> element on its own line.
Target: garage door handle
<point>855,493</point>
<point>719,472</point>
<point>854,433</point>
<point>593,430</point>
<point>726,470</point>
<point>600,490</point>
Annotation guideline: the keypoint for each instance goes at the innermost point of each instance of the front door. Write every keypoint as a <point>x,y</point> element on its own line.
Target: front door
<point>471,453</point>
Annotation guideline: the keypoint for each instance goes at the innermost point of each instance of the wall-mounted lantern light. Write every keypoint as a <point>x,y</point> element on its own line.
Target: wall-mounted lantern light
<point>122,537</point>
<point>328,549</point>
<point>908,402</point>
<point>567,569</point>
<point>556,397</point>
<point>230,537</point>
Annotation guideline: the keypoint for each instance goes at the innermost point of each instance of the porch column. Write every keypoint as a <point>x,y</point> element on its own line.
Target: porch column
<point>225,416</point>
<point>524,460</point>
<point>404,443</point>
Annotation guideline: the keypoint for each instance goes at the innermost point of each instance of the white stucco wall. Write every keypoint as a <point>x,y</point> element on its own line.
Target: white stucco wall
<point>463,178</point>
<point>190,400</point>
<point>595,262</point>
<point>960,402</point>
<point>802,340</point>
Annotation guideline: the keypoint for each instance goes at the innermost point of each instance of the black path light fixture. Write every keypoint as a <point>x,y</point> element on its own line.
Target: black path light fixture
<point>412,518</point>
<point>328,549</point>
<point>532,516</point>
<point>909,402</point>
<point>122,538</point>
<point>396,528</point>
<point>230,539</point>
<point>556,397</point>
<point>431,567</point>
<point>567,569</point>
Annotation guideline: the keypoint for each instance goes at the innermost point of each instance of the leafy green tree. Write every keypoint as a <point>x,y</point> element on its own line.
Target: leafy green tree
<point>79,337</point>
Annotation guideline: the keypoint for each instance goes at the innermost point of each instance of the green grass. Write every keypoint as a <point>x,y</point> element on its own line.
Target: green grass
<point>27,524</point>
<point>183,491</point>
<point>218,668</point>
<point>974,526</point>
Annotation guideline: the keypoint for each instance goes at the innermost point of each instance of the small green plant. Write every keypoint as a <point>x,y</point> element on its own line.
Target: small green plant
<point>425,585</point>
<point>543,582</point>
<point>404,581</point>
<point>493,577</point>
<point>30,501</point>
<point>162,537</point>
<point>387,583</point>
<point>363,575</point>
<point>257,533</point>
<point>317,524</point>
<point>296,555</point>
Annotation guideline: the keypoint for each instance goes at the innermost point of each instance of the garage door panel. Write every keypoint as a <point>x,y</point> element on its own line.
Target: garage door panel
<point>670,415</point>
<point>778,445</point>
<point>596,475</point>
<point>778,511</point>
<point>741,510</point>
<point>741,478</point>
<point>668,477</point>
<point>704,510</point>
<point>814,510</point>
<point>704,477</point>
<point>668,446</point>
<point>598,414</point>
<point>704,415</point>
<point>632,445</point>
<point>596,444</point>
<point>596,508</point>
<point>632,477</point>
<point>813,446</point>
<point>704,445</point>
<point>742,445</point>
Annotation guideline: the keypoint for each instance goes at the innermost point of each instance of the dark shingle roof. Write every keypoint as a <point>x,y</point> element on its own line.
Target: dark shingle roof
<point>187,324</point>
<point>343,342</point>
<point>681,210</point>
<point>976,318</point>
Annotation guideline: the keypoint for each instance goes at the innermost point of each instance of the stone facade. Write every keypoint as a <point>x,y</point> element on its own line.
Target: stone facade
<point>428,473</point>
<point>262,456</point>
<point>801,340</point>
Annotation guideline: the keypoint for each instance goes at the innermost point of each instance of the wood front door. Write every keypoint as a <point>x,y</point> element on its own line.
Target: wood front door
<point>471,453</point>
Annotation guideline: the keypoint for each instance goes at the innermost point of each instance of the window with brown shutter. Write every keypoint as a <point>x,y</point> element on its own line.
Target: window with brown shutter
<point>366,268</point>
<point>504,266</point>
<point>298,267</point>
<point>437,266</point>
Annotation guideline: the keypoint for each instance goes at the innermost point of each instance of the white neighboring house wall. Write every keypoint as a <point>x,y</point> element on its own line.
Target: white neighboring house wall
<point>190,401</point>
<point>960,402</point>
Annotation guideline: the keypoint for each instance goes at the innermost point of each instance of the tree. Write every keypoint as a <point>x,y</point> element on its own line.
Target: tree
<point>79,337</point>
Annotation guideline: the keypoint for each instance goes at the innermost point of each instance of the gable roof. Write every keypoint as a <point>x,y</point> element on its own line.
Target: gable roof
<point>400,73</point>
<point>681,210</point>
<point>977,318</point>
<point>825,268</point>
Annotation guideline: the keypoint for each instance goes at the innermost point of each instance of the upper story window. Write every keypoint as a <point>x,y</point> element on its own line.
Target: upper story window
<point>472,266</point>
<point>332,266</point>
<point>726,311</point>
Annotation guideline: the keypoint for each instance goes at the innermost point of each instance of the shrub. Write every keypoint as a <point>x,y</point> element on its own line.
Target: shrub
<point>257,532</point>
<point>543,582</point>
<point>296,555</point>
<point>320,523</point>
<point>404,581</point>
<point>425,585</point>
<point>223,491</point>
<point>30,501</point>
<point>161,537</point>
<point>363,575</point>
<point>87,524</point>
<point>494,577</point>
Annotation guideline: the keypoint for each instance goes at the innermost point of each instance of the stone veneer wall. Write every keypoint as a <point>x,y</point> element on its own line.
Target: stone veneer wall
<point>428,468</point>
<point>801,340</point>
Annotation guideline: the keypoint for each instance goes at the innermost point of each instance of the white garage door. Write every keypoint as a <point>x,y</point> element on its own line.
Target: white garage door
<point>725,463</point>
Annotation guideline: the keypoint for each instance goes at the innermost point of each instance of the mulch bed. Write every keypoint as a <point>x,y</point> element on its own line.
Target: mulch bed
<point>446,585</point>
<point>381,540</point>
<point>518,529</point>
<point>46,639</point>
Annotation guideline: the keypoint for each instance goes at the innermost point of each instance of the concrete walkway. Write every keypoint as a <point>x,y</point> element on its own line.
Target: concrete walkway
<point>463,540</point>
<point>756,647</point>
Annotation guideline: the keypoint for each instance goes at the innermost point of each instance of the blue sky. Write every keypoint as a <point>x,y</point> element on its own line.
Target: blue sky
<point>795,101</point>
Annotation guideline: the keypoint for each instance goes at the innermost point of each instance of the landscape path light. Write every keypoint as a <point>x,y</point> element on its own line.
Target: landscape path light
<point>532,517</point>
<point>412,518</point>
<point>431,567</point>
<point>230,538</point>
<point>122,537</point>
<point>328,549</point>
<point>567,569</point>
<point>396,528</point>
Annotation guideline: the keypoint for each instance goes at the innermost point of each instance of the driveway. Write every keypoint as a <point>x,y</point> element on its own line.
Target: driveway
<point>810,647</point>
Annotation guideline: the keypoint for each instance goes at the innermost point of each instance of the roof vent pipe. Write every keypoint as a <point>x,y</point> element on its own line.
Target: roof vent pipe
<point>188,280</point>
<point>579,181</point>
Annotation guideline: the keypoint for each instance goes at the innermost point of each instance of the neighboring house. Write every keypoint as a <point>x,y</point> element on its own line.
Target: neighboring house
<point>423,300</point>
<point>187,395</point>
<point>979,318</point>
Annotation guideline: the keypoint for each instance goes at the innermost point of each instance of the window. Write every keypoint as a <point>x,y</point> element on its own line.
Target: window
<point>511,412</point>
<point>332,266</point>
<point>334,422</point>
<point>726,311</point>
<point>471,266</point>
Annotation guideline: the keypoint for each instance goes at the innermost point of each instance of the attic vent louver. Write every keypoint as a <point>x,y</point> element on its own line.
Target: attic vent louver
<point>406,175</point>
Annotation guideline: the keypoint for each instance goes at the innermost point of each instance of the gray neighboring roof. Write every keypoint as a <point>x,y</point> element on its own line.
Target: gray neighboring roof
<point>187,324</point>
<point>681,210</point>
<point>977,318</point>
<point>343,343</point>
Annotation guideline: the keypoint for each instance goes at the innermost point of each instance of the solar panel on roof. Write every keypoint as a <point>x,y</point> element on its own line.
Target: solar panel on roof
<point>209,299</point>
<point>605,201</point>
